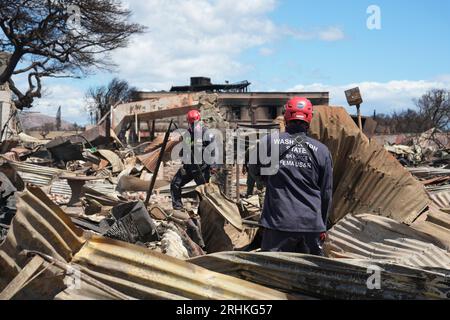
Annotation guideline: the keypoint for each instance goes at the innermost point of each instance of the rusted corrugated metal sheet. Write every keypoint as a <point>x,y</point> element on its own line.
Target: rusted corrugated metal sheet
<point>221,222</point>
<point>379,238</point>
<point>367,179</point>
<point>428,172</point>
<point>41,226</point>
<point>114,160</point>
<point>149,160</point>
<point>48,177</point>
<point>34,174</point>
<point>225,207</point>
<point>441,199</point>
<point>330,278</point>
<point>145,274</point>
<point>435,230</point>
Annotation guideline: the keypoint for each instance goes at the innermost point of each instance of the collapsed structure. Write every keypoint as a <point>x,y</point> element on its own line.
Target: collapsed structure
<point>83,231</point>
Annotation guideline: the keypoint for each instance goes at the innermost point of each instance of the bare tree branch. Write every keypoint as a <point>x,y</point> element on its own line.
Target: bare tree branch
<point>47,39</point>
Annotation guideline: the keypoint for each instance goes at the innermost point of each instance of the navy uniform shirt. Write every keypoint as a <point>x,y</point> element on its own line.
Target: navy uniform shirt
<point>298,196</point>
<point>197,140</point>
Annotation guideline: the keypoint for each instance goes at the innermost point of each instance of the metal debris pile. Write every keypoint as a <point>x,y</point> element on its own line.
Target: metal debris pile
<point>75,223</point>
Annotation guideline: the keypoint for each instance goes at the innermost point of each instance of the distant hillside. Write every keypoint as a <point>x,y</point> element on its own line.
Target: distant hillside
<point>34,120</point>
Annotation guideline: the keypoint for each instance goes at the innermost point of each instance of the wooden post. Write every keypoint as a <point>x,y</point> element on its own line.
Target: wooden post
<point>152,134</point>
<point>238,194</point>
<point>136,127</point>
<point>253,111</point>
<point>158,164</point>
<point>358,112</point>
<point>22,278</point>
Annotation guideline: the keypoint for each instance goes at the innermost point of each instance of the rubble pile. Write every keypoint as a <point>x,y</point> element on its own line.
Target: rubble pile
<point>79,203</point>
<point>102,189</point>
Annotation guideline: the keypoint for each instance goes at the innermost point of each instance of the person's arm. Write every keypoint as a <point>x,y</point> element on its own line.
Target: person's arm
<point>254,169</point>
<point>210,140</point>
<point>327,188</point>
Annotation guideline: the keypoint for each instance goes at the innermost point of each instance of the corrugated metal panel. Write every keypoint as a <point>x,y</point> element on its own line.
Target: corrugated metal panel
<point>150,160</point>
<point>367,179</point>
<point>436,231</point>
<point>114,160</point>
<point>440,218</point>
<point>435,189</point>
<point>41,226</point>
<point>429,172</point>
<point>63,188</point>
<point>223,206</point>
<point>441,199</point>
<point>378,238</point>
<point>330,278</point>
<point>46,176</point>
<point>34,174</point>
<point>145,274</point>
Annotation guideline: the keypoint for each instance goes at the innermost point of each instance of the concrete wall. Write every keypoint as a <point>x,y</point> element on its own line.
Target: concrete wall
<point>5,107</point>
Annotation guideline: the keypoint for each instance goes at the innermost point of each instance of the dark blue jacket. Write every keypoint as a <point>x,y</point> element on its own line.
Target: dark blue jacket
<point>298,197</point>
<point>197,140</point>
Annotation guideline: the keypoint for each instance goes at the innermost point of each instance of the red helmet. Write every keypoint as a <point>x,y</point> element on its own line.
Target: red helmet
<point>299,108</point>
<point>193,116</point>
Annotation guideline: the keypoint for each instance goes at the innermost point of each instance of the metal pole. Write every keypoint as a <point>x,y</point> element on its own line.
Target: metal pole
<point>158,164</point>
<point>136,126</point>
<point>152,134</point>
<point>358,111</point>
<point>238,195</point>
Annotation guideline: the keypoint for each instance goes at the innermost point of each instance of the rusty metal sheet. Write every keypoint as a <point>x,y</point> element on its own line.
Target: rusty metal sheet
<point>428,172</point>
<point>327,278</point>
<point>149,160</point>
<point>378,238</point>
<point>441,199</point>
<point>434,230</point>
<point>35,174</point>
<point>42,227</point>
<point>145,274</point>
<point>114,160</point>
<point>439,217</point>
<point>222,205</point>
<point>367,179</point>
<point>218,234</point>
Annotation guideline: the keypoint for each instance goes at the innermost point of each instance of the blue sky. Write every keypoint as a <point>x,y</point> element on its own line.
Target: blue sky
<point>280,45</point>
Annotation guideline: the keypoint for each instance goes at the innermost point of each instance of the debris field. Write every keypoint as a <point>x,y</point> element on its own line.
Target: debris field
<point>90,217</point>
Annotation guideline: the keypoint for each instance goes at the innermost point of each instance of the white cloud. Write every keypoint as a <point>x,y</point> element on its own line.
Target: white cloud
<point>384,97</point>
<point>266,52</point>
<point>202,37</point>
<point>187,38</point>
<point>193,37</point>
<point>332,33</point>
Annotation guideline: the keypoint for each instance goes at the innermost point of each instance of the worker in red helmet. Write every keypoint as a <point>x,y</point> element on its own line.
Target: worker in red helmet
<point>196,169</point>
<point>298,195</point>
<point>193,116</point>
